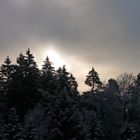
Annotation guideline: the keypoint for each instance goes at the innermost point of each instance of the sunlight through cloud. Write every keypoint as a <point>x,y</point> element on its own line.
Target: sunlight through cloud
<point>55,57</point>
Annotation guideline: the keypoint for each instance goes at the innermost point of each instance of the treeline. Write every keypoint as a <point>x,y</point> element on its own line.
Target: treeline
<point>46,104</point>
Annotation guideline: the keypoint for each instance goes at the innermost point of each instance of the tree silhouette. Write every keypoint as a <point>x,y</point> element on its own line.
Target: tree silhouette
<point>7,69</point>
<point>112,86</point>
<point>24,86</point>
<point>48,78</point>
<point>93,79</point>
<point>73,85</point>
<point>62,79</point>
<point>45,104</point>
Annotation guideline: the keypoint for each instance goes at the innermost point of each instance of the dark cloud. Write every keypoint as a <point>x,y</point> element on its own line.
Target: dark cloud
<point>104,33</point>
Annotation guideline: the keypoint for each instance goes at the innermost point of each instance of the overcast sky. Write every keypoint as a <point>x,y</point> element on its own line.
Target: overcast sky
<point>85,33</point>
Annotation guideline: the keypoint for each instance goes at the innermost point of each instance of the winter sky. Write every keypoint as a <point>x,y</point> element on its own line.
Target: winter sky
<point>79,33</point>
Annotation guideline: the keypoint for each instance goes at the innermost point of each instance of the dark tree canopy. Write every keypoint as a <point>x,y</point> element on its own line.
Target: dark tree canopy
<point>24,86</point>
<point>45,104</point>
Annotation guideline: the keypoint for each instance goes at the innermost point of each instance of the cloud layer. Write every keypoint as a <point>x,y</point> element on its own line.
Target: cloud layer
<point>102,33</point>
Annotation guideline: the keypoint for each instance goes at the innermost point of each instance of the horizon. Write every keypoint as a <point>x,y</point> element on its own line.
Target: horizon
<point>57,62</point>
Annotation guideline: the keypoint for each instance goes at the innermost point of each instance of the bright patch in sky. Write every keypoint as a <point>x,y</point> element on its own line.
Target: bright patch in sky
<point>55,58</point>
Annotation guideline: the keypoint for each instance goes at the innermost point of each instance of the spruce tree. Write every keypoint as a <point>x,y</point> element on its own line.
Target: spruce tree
<point>62,79</point>
<point>66,82</point>
<point>48,79</point>
<point>93,80</point>
<point>24,86</point>
<point>7,69</point>
<point>1,82</point>
<point>32,78</point>
<point>73,85</point>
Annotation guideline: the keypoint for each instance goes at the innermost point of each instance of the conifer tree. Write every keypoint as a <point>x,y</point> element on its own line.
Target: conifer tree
<point>62,79</point>
<point>7,69</point>
<point>93,80</point>
<point>66,82</point>
<point>48,79</point>
<point>24,87</point>
<point>1,82</point>
<point>73,85</point>
<point>32,77</point>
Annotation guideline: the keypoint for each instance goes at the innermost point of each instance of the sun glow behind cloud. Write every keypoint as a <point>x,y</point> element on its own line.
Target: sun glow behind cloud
<point>55,56</point>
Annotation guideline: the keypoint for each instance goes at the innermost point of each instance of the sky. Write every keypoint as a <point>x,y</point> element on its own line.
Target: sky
<point>104,34</point>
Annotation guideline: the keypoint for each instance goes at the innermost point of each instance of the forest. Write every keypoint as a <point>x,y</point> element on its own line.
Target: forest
<point>45,104</point>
